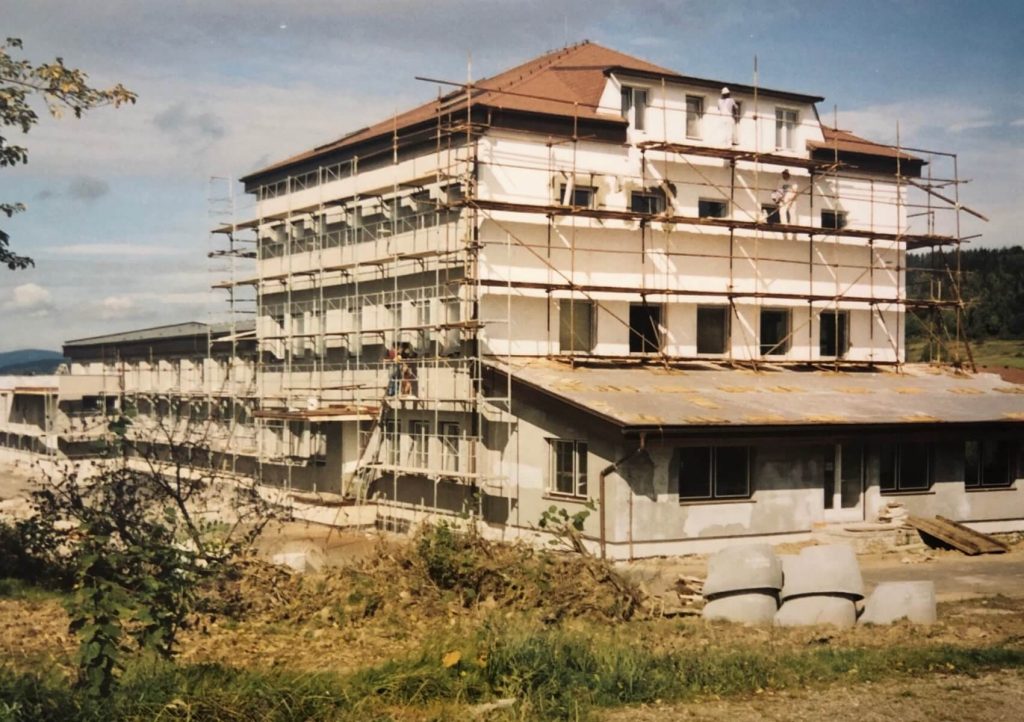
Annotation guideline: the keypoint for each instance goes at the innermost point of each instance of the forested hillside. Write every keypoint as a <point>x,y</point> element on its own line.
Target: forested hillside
<point>993,287</point>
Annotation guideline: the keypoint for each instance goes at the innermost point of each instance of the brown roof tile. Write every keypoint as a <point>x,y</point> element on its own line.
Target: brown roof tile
<point>846,142</point>
<point>565,82</point>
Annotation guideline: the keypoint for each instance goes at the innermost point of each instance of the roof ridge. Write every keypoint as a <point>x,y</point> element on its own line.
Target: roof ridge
<point>532,67</point>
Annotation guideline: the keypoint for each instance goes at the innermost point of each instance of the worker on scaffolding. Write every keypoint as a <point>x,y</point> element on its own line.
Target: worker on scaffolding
<point>729,112</point>
<point>784,197</point>
<point>408,371</point>
<point>395,378</point>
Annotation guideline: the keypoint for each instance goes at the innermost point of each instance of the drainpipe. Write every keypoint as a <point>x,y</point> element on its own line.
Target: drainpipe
<point>601,496</point>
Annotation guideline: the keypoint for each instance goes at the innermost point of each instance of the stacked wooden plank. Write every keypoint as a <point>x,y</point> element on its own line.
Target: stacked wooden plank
<point>957,535</point>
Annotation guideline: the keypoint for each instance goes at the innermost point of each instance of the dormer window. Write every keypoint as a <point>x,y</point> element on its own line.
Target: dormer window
<point>634,99</point>
<point>694,115</point>
<point>785,128</point>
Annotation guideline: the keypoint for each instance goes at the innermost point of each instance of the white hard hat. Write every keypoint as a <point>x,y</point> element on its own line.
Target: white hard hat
<point>725,91</point>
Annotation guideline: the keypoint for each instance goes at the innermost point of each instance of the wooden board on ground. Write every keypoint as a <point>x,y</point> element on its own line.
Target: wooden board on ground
<point>957,535</point>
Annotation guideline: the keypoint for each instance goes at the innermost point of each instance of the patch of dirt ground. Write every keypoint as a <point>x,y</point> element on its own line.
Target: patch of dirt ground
<point>993,697</point>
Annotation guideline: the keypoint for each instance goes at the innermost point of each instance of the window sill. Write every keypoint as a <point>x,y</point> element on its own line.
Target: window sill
<point>549,496</point>
<point>716,502</point>
<point>909,492</point>
<point>972,489</point>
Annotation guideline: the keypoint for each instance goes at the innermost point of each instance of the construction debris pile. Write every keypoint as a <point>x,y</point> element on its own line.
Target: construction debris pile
<point>820,585</point>
<point>441,574</point>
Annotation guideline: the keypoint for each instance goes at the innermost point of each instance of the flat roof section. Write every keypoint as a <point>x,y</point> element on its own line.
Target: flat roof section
<point>650,397</point>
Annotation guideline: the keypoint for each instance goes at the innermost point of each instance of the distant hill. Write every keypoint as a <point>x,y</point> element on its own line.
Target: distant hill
<point>993,288</point>
<point>29,362</point>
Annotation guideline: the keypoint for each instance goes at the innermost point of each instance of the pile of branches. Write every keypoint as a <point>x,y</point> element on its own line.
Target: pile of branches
<point>441,571</point>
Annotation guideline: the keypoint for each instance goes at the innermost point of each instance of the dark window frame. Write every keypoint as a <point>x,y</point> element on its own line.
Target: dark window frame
<point>977,476</point>
<point>841,344</point>
<point>726,328</point>
<point>833,220</point>
<point>893,480</point>
<point>591,196</point>
<point>712,467</point>
<point>645,343</point>
<point>655,201</point>
<point>577,453</point>
<point>570,305</point>
<point>781,346</point>
<point>712,208</point>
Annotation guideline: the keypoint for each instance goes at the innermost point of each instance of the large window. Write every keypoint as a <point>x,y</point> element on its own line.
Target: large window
<point>785,128</point>
<point>714,472</point>
<point>834,333</point>
<point>904,467</point>
<point>634,99</point>
<point>990,463</point>
<point>568,472</point>
<point>648,201</point>
<point>712,329</point>
<point>694,115</point>
<point>774,331</point>
<point>644,328</point>
<point>575,325</point>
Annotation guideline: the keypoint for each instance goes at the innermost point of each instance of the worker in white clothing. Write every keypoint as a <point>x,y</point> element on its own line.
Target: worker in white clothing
<point>729,112</point>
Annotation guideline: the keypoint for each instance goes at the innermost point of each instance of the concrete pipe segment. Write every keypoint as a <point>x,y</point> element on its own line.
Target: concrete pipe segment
<point>827,569</point>
<point>743,568</point>
<point>743,608</point>
<point>816,609</point>
<point>892,601</point>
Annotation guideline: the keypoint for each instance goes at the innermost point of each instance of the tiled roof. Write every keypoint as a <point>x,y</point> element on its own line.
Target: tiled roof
<point>563,82</point>
<point>846,142</point>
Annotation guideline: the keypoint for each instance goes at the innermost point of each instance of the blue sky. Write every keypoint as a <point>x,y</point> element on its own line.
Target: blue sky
<point>119,215</point>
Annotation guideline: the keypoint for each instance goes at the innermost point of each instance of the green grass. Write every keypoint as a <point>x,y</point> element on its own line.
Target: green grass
<point>19,589</point>
<point>991,352</point>
<point>554,674</point>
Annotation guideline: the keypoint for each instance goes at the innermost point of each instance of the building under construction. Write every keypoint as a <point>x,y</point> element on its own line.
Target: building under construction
<point>593,279</point>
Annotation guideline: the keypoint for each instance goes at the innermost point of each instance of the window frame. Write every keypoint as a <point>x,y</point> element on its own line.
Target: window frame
<point>650,194</point>
<point>579,451</point>
<point>629,95</point>
<point>1010,473</point>
<point>781,347</point>
<point>899,485</point>
<point>659,341</point>
<point>726,328</point>
<point>696,118</point>
<point>839,219</point>
<point>418,453</point>
<point>842,341</point>
<point>450,444</point>
<point>786,140</point>
<point>704,206</point>
<point>713,464</point>
<point>591,196</point>
<point>568,305</point>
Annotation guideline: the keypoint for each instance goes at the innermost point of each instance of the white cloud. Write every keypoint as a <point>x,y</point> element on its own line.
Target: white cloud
<point>30,299</point>
<point>1018,123</point>
<point>117,307</point>
<point>113,249</point>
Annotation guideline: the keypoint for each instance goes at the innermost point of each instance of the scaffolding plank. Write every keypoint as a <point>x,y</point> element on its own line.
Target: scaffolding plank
<point>957,535</point>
